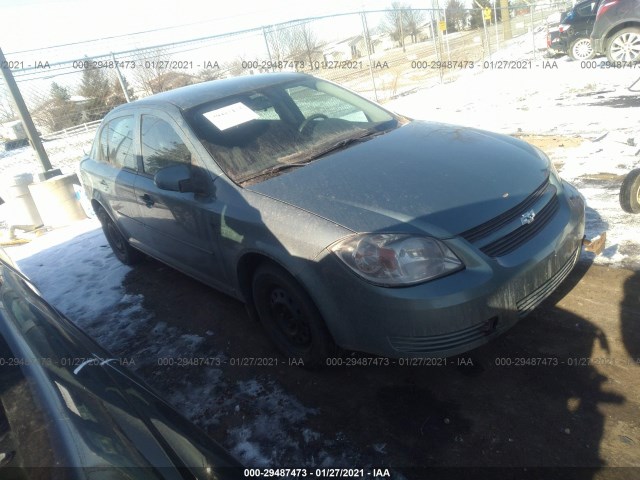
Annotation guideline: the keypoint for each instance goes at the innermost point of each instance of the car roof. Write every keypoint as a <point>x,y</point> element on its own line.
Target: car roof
<point>192,95</point>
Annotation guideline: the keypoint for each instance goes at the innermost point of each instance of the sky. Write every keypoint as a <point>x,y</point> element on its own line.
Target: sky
<point>60,22</point>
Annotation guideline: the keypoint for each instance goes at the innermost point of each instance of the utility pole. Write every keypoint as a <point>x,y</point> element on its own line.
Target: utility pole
<point>402,32</point>
<point>25,118</point>
<point>367,39</point>
<point>123,85</point>
<point>505,15</point>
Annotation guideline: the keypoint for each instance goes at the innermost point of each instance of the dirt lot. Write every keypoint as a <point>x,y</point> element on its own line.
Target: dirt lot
<point>560,389</point>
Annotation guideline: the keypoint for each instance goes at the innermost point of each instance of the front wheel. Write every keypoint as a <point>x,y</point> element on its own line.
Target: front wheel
<point>630,192</point>
<point>290,317</point>
<point>120,246</point>
<point>581,49</point>
<point>625,46</point>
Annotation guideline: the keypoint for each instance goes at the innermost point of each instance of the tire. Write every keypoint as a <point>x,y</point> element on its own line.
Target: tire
<point>290,317</point>
<point>120,246</point>
<point>581,49</point>
<point>624,46</point>
<point>630,192</point>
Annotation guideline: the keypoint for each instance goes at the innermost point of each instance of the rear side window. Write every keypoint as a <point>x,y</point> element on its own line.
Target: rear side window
<point>116,143</point>
<point>586,9</point>
<point>161,145</point>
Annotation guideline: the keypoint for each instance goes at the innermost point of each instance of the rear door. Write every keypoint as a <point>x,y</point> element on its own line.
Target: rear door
<point>587,16</point>
<point>180,226</point>
<point>113,169</point>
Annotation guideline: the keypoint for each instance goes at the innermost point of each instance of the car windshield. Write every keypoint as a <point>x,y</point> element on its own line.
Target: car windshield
<point>266,131</point>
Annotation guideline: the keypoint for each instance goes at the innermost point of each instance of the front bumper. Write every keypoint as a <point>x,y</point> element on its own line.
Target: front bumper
<point>457,313</point>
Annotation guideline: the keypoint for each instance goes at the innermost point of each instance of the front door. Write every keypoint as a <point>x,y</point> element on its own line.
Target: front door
<point>180,227</point>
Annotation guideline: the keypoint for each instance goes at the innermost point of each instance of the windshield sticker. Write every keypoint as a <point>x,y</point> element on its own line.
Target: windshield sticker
<point>231,116</point>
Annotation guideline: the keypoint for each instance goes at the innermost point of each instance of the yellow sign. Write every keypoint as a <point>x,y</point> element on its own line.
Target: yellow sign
<point>442,25</point>
<point>487,13</point>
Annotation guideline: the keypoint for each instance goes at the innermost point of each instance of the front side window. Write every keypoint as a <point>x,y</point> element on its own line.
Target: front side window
<point>264,130</point>
<point>161,145</point>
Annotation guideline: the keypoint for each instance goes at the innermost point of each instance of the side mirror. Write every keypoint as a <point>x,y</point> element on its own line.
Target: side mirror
<point>175,178</point>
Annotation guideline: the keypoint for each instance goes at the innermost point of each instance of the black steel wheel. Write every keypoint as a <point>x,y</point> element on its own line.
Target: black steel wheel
<point>290,317</point>
<point>630,192</point>
<point>120,246</point>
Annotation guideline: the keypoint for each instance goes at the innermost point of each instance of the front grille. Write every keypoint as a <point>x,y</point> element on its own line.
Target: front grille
<point>499,243</point>
<point>476,233</point>
<point>435,343</point>
<point>520,235</point>
<point>535,298</point>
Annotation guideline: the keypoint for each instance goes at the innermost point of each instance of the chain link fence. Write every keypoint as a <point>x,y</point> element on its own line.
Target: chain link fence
<point>379,54</point>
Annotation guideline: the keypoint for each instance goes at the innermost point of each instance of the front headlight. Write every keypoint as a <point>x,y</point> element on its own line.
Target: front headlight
<point>391,259</point>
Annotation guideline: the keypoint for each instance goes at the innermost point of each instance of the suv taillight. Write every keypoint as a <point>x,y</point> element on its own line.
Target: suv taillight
<point>606,6</point>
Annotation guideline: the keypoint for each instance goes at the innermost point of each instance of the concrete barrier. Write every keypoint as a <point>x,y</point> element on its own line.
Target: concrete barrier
<point>21,209</point>
<point>56,200</point>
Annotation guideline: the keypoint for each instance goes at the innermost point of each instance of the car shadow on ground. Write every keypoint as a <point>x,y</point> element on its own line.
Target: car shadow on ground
<point>531,398</point>
<point>630,317</point>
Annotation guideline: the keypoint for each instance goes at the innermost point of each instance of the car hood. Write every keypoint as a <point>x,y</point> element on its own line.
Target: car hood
<point>424,177</point>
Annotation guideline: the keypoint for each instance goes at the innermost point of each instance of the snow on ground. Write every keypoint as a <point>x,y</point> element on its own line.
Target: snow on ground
<point>592,108</point>
<point>63,153</point>
<point>76,270</point>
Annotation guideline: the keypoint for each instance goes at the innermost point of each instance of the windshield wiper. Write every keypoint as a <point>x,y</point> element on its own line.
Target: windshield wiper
<point>336,146</point>
<point>346,142</point>
<point>275,169</point>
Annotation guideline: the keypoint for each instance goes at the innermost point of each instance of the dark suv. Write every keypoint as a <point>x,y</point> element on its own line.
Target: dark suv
<point>616,31</point>
<point>574,31</point>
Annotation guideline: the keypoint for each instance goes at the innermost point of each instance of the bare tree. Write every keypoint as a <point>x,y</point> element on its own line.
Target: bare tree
<point>401,21</point>
<point>151,66</point>
<point>7,112</point>
<point>116,96</point>
<point>170,79</point>
<point>278,40</point>
<point>309,41</point>
<point>299,42</point>
<point>413,21</point>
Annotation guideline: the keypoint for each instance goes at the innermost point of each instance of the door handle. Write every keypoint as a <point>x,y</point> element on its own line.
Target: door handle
<point>148,201</point>
<point>104,183</point>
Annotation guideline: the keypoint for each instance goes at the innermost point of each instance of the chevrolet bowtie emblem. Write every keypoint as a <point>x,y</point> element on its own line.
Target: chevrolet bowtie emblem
<point>528,217</point>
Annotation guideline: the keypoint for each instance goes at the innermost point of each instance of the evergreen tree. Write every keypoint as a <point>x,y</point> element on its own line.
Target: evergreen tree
<point>95,88</point>
<point>59,93</point>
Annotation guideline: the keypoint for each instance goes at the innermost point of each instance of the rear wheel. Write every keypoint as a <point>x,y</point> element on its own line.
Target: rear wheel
<point>120,246</point>
<point>630,192</point>
<point>581,49</point>
<point>624,46</point>
<point>290,317</point>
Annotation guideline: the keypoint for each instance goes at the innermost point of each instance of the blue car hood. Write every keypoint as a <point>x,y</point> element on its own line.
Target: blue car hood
<point>423,177</point>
